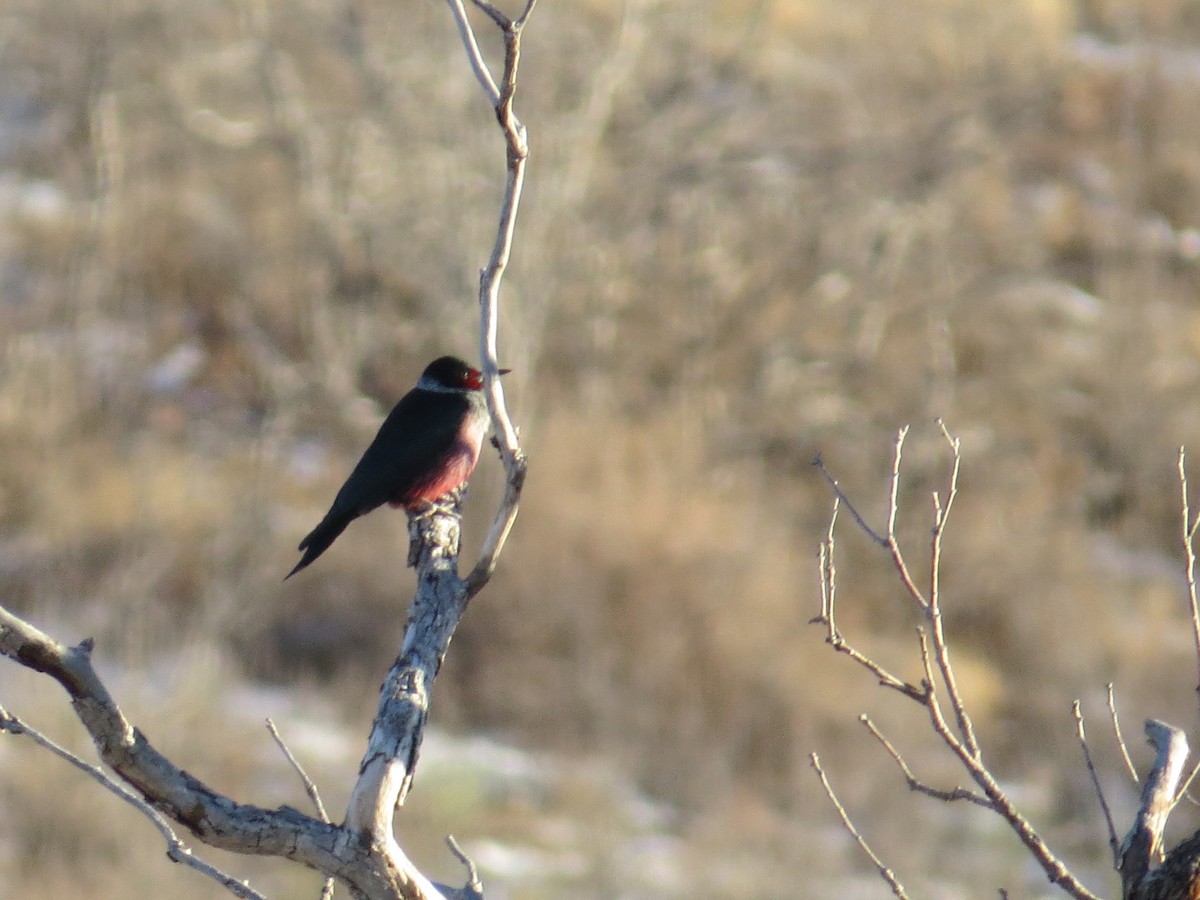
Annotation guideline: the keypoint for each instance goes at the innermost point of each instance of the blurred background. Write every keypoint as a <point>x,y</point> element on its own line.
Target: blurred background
<point>232,234</point>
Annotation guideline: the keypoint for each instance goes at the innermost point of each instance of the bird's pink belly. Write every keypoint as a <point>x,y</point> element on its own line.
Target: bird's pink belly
<point>453,474</point>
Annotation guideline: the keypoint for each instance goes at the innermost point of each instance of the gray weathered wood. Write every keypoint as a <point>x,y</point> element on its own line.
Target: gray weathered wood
<point>1142,848</point>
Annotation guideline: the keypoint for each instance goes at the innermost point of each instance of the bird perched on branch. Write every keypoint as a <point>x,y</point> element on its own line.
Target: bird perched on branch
<point>426,447</point>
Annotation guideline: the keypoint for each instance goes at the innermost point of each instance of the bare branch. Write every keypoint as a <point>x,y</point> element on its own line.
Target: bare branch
<point>474,56</point>
<point>309,788</point>
<point>1142,848</point>
<point>893,508</point>
<point>389,763</point>
<point>442,597</point>
<point>933,610</point>
<point>1077,712</point>
<point>473,890</point>
<point>1185,788</point>
<point>490,277</point>
<point>370,870</point>
<point>841,497</point>
<point>1189,538</point>
<point>834,638</point>
<point>914,783</point>
<point>934,655</point>
<point>1116,724</point>
<point>955,447</point>
<point>884,872</point>
<point>177,851</point>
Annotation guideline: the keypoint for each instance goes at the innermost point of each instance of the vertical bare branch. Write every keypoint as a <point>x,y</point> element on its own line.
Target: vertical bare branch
<point>1189,550</point>
<point>394,745</point>
<point>933,610</point>
<point>1077,713</point>
<point>310,788</point>
<point>833,637</point>
<point>893,508</point>
<point>1120,738</point>
<point>1142,848</point>
<point>517,152</point>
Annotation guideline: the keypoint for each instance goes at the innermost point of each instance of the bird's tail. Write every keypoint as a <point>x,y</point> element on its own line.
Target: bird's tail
<point>321,537</point>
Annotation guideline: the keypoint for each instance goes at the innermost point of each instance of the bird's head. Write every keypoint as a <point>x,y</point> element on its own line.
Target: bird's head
<point>449,374</point>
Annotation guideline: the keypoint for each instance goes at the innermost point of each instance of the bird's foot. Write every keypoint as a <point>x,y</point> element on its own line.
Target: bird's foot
<point>450,503</point>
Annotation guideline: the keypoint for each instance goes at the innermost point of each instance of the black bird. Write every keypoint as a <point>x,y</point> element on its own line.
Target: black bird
<point>426,447</point>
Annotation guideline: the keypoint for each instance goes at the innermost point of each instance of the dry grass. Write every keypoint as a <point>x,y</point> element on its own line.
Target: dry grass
<point>232,237</point>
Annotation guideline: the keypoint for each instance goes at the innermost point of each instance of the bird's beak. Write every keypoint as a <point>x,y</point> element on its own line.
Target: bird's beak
<point>503,371</point>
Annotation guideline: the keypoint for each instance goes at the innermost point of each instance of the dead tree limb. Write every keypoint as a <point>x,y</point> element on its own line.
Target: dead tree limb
<point>1142,849</point>
<point>362,853</point>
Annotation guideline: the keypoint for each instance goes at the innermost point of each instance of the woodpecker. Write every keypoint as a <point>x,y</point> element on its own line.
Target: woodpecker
<point>426,447</point>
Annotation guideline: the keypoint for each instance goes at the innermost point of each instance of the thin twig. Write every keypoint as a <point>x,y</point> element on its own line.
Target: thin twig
<point>955,447</point>
<point>1054,868</point>
<point>502,21</point>
<point>310,788</point>
<point>933,610</point>
<point>1113,840</point>
<point>1189,537</point>
<point>884,872</point>
<point>833,637</point>
<point>1121,745</point>
<point>893,545</point>
<point>840,495</point>
<point>828,577</point>
<point>914,783</point>
<point>177,851</point>
<point>474,55</point>
<point>1185,788</point>
<point>473,887</point>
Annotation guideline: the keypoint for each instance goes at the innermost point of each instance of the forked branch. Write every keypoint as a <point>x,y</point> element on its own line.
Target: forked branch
<point>938,692</point>
<point>516,153</point>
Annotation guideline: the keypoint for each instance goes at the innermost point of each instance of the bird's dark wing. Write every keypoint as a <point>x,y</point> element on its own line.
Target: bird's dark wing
<point>415,436</point>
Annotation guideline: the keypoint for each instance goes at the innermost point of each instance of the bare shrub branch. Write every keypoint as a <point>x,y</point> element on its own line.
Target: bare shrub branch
<point>884,872</point>
<point>177,851</point>
<point>1189,551</point>
<point>843,500</point>
<point>1120,738</point>
<point>310,788</point>
<point>1077,713</point>
<point>833,636</point>
<point>473,889</point>
<point>914,783</point>
<point>934,655</point>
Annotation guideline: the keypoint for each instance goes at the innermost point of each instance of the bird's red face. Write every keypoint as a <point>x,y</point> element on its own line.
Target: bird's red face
<point>451,373</point>
<point>474,378</point>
